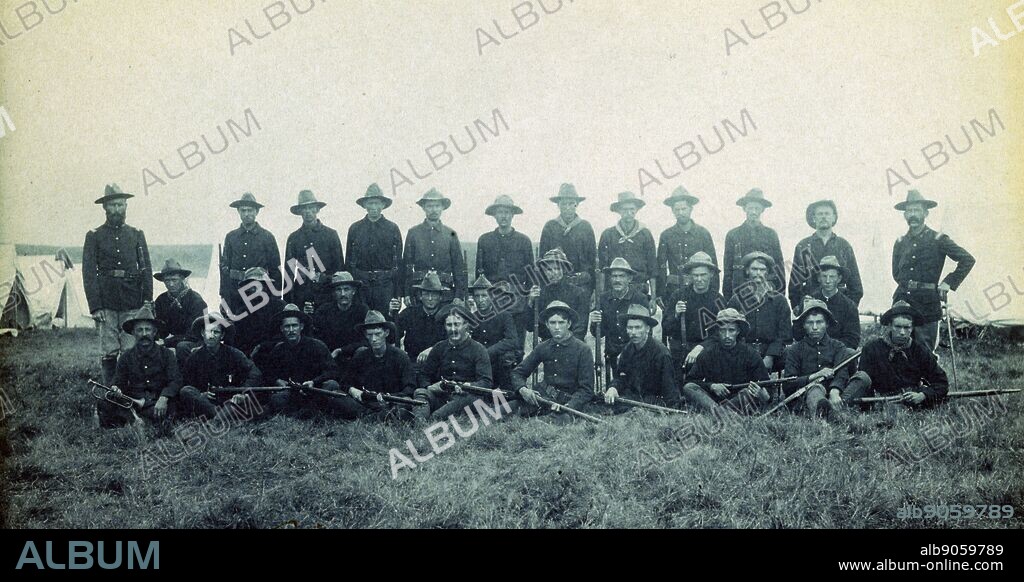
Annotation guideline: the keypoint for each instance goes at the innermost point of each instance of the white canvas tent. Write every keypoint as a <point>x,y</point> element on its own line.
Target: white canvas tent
<point>41,291</point>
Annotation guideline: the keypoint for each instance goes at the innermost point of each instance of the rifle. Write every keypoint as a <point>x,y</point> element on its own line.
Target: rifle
<point>741,386</point>
<point>598,343</point>
<point>244,389</point>
<point>961,394</point>
<point>385,397</point>
<point>949,329</point>
<point>654,407</point>
<point>536,331</point>
<point>467,387</point>
<point>801,391</point>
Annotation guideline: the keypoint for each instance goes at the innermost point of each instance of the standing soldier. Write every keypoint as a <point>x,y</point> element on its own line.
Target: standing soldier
<point>846,329</point>
<point>250,245</point>
<point>554,268</point>
<point>117,276</point>
<point>680,242</point>
<point>432,246</point>
<point>615,302</point>
<point>822,216</point>
<point>631,241</point>
<point>177,307</point>
<point>749,237</point>
<point>917,261</point>
<point>312,237</point>
<point>574,236</point>
<point>504,256</point>
<point>374,251</point>
<point>766,311</point>
<point>694,305</point>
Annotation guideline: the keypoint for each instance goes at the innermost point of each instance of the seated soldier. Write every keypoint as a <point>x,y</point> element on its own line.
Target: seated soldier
<point>568,366</point>
<point>617,298</point>
<point>847,329</point>
<point>255,328</point>
<point>644,370</point>
<point>812,360</point>
<point>381,368</point>
<point>696,305</point>
<point>197,333</point>
<point>459,358</point>
<point>177,307</point>
<point>767,312</point>
<point>728,371</point>
<point>308,362</point>
<point>897,364</point>
<point>418,324</point>
<point>335,323</point>
<point>496,331</point>
<point>553,269</point>
<point>148,372</point>
<point>216,365</point>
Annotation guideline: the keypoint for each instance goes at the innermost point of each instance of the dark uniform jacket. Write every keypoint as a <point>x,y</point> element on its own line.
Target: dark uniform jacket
<point>391,373</point>
<point>336,328</point>
<point>466,361</point>
<point>717,364</point>
<point>646,373</point>
<point>638,249</point>
<point>435,246</point>
<point>420,330</point>
<point>919,259</point>
<point>498,256</point>
<point>847,328</point>
<point>572,296</point>
<point>308,359</point>
<point>226,367</point>
<point>116,270</point>
<point>243,250</point>
<point>893,371</point>
<point>257,327</point>
<point>372,247</point>
<point>327,243</point>
<point>701,311</point>
<point>745,239</point>
<point>496,332</point>
<point>148,373</point>
<point>807,356</point>
<point>675,247</point>
<point>178,313</point>
<point>568,366</point>
<point>578,242</point>
<point>771,326</point>
<point>803,279</point>
<point>612,331</point>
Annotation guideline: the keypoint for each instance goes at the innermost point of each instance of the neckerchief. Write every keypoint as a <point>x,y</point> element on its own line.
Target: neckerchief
<point>628,237</point>
<point>568,226</point>
<point>894,350</point>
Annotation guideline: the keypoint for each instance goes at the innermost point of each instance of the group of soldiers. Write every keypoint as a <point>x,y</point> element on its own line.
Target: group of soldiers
<point>391,330</point>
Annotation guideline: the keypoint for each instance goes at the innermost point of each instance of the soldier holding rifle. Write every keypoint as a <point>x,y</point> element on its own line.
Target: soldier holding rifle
<point>554,269</point>
<point>644,370</point>
<point>215,365</point>
<point>380,369</point>
<point>504,257</point>
<point>615,301</point>
<point>729,371</point>
<point>374,251</point>
<point>691,311</point>
<point>248,246</point>
<point>432,246</point>
<point>459,358</point>
<point>632,241</point>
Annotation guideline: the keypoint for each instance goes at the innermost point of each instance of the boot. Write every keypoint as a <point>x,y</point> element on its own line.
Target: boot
<point>108,364</point>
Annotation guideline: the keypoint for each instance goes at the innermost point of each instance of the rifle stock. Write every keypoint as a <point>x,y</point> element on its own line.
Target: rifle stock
<point>467,387</point>
<point>654,407</point>
<point>949,395</point>
<point>801,391</point>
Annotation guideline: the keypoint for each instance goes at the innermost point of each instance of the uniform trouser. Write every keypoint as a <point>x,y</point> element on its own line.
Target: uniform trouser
<point>864,389</point>
<point>440,405</point>
<point>815,399</point>
<point>679,351</point>
<point>114,416</point>
<point>928,334</point>
<point>113,340</point>
<point>378,294</point>
<point>183,349</point>
<point>193,404</point>
<point>740,402</point>
<point>297,402</point>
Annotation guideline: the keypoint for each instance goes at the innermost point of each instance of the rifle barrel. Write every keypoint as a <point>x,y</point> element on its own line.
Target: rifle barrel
<point>467,387</point>
<point>244,389</point>
<point>800,392</point>
<point>655,407</point>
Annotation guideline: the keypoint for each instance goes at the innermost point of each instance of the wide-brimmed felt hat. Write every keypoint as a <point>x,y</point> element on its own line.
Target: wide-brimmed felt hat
<point>431,282</point>
<point>212,318</point>
<point>809,215</point>
<point>434,194</point>
<point>113,192</point>
<point>567,192</point>
<point>373,192</point>
<point>559,307</point>
<point>626,198</point>
<point>915,197</point>
<point>831,262</point>
<point>291,310</point>
<point>901,308</point>
<point>344,278</point>
<point>757,255</point>
<point>171,267</point>
<point>306,198</point>
<point>700,259</point>
<point>755,195</point>
<point>810,305</point>
<point>143,314</point>
<point>375,318</point>
<point>681,195</point>
<point>248,200</point>
<point>556,255</point>
<point>448,308</point>
<point>481,283</point>
<point>732,315</point>
<point>503,201</point>
<point>619,264</point>
<point>637,311</point>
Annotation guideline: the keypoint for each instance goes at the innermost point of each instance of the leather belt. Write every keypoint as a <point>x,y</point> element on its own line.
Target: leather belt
<point>920,285</point>
<point>236,275</point>
<point>118,273</point>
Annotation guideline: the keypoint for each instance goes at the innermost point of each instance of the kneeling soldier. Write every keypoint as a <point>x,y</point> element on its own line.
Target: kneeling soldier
<point>644,369</point>
<point>459,358</point>
<point>568,364</point>
<point>812,360</point>
<point>381,368</point>
<point>495,330</point>
<point>728,363</point>
<point>898,364</point>
<point>215,365</point>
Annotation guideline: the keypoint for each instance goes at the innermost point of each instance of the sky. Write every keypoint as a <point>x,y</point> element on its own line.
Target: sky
<point>589,93</point>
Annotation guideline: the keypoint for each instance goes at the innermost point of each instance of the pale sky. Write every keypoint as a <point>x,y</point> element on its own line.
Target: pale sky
<point>590,93</point>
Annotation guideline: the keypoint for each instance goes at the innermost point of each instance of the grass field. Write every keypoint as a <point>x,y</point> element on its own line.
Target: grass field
<point>636,470</point>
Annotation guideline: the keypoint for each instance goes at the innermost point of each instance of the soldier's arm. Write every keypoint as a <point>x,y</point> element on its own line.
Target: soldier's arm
<point>408,264</point>
<point>521,372</point>
<point>669,388</point>
<point>589,253</point>
<point>708,246</point>
<point>850,319</point>
<point>458,267</point>
<point>651,260</point>
<point>935,376</point>
<point>663,268</point>
<point>895,259</point>
<point>145,268</point>
<point>328,367</point>
<point>855,285</point>
<point>964,261</point>
<point>509,338</point>
<point>407,375</point>
<point>173,374</point>
<point>90,275</point>
<point>481,254</point>
<point>585,369</point>
<point>337,253</point>
<point>783,328</point>
<point>431,369</point>
<point>396,251</point>
<point>794,363</point>
<point>482,366</point>
<point>274,268</point>
<point>776,253</point>
<point>603,250</point>
<point>757,370</point>
<point>248,369</point>
<point>727,266</point>
<point>801,272</point>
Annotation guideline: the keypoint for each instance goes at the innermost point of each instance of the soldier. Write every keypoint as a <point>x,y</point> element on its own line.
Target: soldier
<point>766,311</point>
<point>728,362</point>
<point>312,237</point>
<point>554,268</point>
<point>680,242</point>
<point>644,369</point>
<point>216,365</point>
<point>615,301</point>
<point>177,307</point>
<point>752,236</point>
<point>897,364</point>
<point>812,360</point>
<point>630,240</point>
<point>574,236</point>
<point>459,358</point>
<point>335,323</point>
<point>568,365</point>
<point>256,327</point>
<point>382,368</point>
<point>830,275</point>
<point>145,371</point>
<point>496,331</point>
<point>505,257</point>
<point>695,304</point>
<point>432,246</point>
<point>822,217</point>
<point>917,261</point>
<point>307,361</point>
<point>250,245</point>
<point>116,274</point>
<point>374,251</point>
<point>417,323</point>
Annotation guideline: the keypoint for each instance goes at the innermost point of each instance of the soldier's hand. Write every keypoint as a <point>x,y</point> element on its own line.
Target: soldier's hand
<point>458,302</point>
<point>534,292</point>
<point>944,288</point>
<point>307,308</point>
<point>422,358</point>
<point>307,384</point>
<point>653,306</point>
<point>407,300</point>
<point>356,393</point>
<point>835,398</point>
<point>211,396</point>
<point>595,316</point>
<point>769,362</point>
<point>610,395</point>
<point>752,389</point>
<point>160,408</point>
<point>680,308</point>
<point>282,383</point>
<point>529,396</point>
<point>395,305</point>
<point>913,398</point>
<point>822,374</point>
<point>239,399</point>
<point>720,390</point>
<point>693,355</point>
<point>435,388</point>
<point>98,316</point>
